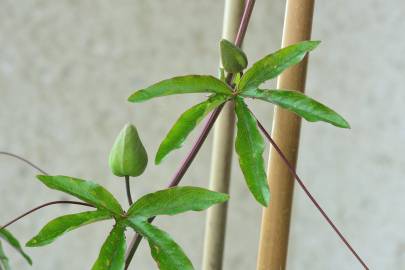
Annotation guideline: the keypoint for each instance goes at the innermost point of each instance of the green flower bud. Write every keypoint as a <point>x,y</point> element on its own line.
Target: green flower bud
<point>233,58</point>
<point>128,156</point>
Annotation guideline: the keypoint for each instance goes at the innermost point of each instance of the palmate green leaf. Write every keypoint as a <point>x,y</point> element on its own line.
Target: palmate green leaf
<point>9,238</point>
<point>4,264</point>
<point>233,58</point>
<point>185,124</point>
<point>250,147</point>
<point>182,85</point>
<point>272,65</point>
<point>174,201</point>
<point>58,226</point>
<point>300,104</point>
<point>165,251</point>
<point>85,190</point>
<point>112,253</point>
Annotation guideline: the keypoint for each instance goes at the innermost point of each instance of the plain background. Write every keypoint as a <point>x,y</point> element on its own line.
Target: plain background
<point>67,67</point>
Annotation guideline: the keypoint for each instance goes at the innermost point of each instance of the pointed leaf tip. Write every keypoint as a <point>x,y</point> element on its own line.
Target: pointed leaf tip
<point>10,239</point>
<point>304,106</point>
<point>274,64</point>
<point>176,200</point>
<point>314,43</point>
<point>182,85</point>
<point>249,146</point>
<point>87,191</point>
<point>186,124</point>
<point>59,226</point>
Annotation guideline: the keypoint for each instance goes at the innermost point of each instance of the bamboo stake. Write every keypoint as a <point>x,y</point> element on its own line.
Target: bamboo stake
<point>275,226</point>
<point>221,157</point>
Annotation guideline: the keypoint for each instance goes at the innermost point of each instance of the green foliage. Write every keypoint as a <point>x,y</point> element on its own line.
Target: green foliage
<point>166,252</point>
<point>250,147</point>
<point>221,74</point>
<point>12,241</point>
<point>174,201</point>
<point>300,104</point>
<point>87,191</point>
<point>57,227</point>
<point>112,253</point>
<point>182,85</point>
<point>274,64</point>
<point>186,123</point>
<point>128,156</point>
<point>249,143</point>
<point>4,264</point>
<point>233,58</point>
<point>171,201</point>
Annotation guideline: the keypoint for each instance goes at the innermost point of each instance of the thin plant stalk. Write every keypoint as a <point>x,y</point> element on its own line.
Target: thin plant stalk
<point>204,133</point>
<point>42,206</point>
<point>128,190</point>
<point>291,168</point>
<point>297,81</point>
<point>275,225</point>
<point>215,227</point>
<point>133,246</point>
<point>24,160</point>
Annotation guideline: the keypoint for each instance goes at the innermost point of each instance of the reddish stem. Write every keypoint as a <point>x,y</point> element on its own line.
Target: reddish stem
<point>203,135</point>
<point>310,196</point>
<point>42,206</point>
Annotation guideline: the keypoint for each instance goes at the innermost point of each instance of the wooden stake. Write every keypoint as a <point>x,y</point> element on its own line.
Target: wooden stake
<point>285,132</point>
<point>221,157</point>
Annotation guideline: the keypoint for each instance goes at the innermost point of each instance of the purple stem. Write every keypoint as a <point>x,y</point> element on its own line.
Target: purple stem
<point>204,133</point>
<point>308,193</point>
<point>244,22</point>
<point>196,147</point>
<point>42,206</point>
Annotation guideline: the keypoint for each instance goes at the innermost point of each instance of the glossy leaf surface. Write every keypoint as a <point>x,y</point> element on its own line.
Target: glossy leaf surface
<point>185,124</point>
<point>112,253</point>
<point>87,191</point>
<point>59,226</point>
<point>300,104</point>
<point>250,147</point>
<point>182,85</point>
<point>174,201</point>
<point>272,65</point>
<point>165,251</point>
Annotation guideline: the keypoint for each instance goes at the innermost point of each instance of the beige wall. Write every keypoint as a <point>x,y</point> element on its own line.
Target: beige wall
<point>66,68</point>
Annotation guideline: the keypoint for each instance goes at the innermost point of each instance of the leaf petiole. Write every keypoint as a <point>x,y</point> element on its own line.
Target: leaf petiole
<point>42,206</point>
